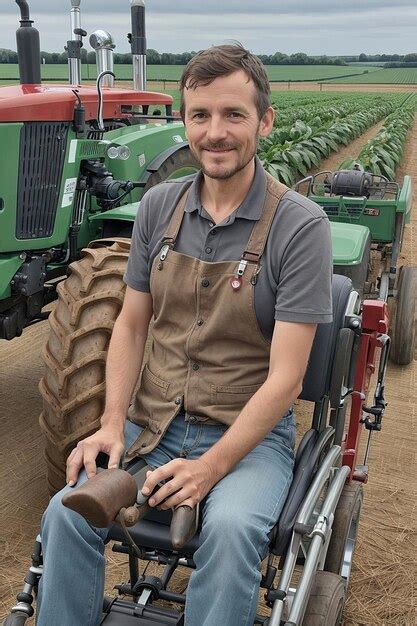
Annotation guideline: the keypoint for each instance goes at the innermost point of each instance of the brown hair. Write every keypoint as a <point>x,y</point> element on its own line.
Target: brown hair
<point>217,61</point>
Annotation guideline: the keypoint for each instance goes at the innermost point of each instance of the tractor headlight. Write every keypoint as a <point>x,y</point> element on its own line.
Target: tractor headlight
<point>118,152</point>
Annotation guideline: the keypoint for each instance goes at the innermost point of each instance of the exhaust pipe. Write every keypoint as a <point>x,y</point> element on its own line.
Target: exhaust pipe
<point>138,44</point>
<point>75,44</point>
<point>103,44</point>
<point>28,48</point>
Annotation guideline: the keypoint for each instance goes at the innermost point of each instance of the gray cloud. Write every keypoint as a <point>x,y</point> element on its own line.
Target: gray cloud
<point>217,7</point>
<point>311,26</point>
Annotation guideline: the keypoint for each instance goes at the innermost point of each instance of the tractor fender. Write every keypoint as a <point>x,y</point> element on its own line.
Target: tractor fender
<point>157,162</point>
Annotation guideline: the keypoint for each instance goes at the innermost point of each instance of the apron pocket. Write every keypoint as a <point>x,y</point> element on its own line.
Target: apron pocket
<point>233,397</point>
<point>152,383</point>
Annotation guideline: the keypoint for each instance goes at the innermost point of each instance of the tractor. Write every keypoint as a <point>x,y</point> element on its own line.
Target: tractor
<point>75,162</point>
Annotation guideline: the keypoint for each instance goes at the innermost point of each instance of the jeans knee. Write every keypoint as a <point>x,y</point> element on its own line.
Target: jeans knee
<point>57,515</point>
<point>228,529</point>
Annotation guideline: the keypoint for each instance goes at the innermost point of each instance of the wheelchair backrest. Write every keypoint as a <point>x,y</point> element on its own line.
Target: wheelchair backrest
<point>318,375</point>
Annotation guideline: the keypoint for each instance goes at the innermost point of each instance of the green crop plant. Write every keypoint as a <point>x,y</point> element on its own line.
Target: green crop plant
<point>294,150</point>
<point>381,154</point>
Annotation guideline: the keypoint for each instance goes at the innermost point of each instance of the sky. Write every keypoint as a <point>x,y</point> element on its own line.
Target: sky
<point>331,27</point>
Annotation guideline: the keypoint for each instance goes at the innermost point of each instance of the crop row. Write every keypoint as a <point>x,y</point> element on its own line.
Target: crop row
<point>381,154</point>
<point>294,150</point>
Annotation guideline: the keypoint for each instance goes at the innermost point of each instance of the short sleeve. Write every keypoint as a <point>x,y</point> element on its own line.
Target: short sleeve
<point>137,271</point>
<point>304,288</point>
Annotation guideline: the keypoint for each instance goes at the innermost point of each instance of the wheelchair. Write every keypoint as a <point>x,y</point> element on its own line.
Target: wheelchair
<point>310,552</point>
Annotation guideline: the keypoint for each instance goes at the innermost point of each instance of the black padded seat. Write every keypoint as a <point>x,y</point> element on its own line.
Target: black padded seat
<point>153,530</point>
<point>317,378</point>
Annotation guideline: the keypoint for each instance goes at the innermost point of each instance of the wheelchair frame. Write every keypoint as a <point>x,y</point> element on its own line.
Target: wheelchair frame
<point>362,334</point>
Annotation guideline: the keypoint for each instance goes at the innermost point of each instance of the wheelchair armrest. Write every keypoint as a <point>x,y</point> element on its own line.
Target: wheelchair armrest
<point>304,472</point>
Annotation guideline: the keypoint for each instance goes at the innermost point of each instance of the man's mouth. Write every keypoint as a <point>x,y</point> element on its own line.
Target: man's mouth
<point>218,149</point>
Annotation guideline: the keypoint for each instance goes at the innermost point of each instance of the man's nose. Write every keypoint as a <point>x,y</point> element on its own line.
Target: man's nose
<point>216,130</point>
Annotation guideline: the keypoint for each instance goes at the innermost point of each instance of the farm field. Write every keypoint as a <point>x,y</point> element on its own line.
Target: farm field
<point>384,576</point>
<point>173,72</point>
<point>395,76</point>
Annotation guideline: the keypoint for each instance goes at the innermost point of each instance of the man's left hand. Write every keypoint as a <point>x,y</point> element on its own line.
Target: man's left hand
<point>187,483</point>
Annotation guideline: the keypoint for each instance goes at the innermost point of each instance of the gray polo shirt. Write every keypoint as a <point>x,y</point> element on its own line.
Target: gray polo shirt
<point>294,284</point>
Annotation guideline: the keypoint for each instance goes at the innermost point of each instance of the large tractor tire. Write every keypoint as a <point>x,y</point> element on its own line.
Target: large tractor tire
<point>403,333</point>
<point>73,385</point>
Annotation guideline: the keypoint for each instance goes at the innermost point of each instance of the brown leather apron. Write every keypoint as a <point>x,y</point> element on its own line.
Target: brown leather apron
<point>207,352</point>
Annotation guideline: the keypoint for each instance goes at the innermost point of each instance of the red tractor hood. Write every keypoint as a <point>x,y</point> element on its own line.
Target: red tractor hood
<point>49,103</point>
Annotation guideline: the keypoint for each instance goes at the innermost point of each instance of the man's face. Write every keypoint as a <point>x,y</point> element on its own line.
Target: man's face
<point>222,124</point>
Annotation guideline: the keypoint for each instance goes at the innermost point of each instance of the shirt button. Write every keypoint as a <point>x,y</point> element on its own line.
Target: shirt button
<point>211,224</point>
<point>205,282</point>
<point>208,250</point>
<point>177,400</point>
<point>196,366</point>
<point>213,232</point>
<point>200,322</point>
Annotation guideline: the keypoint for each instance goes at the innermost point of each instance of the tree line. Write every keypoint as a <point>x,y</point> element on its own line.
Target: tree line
<point>169,58</point>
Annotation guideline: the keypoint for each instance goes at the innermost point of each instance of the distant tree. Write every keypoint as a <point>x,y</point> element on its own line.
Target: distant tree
<point>410,58</point>
<point>299,58</point>
<point>279,58</point>
<point>8,56</point>
<point>153,57</point>
<point>91,57</point>
<point>322,60</point>
<point>363,58</point>
<point>167,58</point>
<point>339,61</point>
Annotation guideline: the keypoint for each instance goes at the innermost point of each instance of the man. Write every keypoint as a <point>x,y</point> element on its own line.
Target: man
<point>236,270</point>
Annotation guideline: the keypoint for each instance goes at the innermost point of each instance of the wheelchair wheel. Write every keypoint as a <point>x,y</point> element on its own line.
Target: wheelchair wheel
<point>344,533</point>
<point>326,601</point>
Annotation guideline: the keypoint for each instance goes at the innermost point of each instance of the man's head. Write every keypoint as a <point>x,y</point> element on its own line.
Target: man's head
<point>225,107</point>
<point>217,61</point>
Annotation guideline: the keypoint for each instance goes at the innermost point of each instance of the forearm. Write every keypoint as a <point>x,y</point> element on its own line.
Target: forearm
<point>124,361</point>
<point>256,420</point>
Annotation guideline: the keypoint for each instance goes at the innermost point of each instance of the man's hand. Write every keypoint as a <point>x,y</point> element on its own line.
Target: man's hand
<point>109,439</point>
<point>188,482</point>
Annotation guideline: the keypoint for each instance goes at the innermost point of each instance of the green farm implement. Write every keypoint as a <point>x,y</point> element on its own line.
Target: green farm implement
<point>368,214</point>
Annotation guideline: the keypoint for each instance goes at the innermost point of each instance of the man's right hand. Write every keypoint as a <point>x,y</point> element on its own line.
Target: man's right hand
<point>109,439</point>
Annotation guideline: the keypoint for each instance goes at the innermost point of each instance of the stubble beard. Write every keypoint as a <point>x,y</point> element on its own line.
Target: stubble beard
<point>228,173</point>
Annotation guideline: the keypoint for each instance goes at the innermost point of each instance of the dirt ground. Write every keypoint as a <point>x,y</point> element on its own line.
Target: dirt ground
<point>383,583</point>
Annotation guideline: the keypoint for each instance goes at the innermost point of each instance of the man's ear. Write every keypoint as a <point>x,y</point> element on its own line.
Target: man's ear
<point>267,122</point>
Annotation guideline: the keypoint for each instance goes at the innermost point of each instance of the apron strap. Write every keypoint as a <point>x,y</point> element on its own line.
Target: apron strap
<point>174,225</point>
<point>257,240</point>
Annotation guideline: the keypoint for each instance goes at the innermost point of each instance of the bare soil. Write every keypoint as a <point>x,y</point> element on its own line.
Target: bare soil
<point>383,584</point>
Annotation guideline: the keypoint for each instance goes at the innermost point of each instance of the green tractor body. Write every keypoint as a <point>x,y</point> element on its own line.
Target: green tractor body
<point>61,187</point>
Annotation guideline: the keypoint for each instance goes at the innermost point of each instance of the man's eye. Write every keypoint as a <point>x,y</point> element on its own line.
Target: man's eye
<point>235,114</point>
<point>199,116</point>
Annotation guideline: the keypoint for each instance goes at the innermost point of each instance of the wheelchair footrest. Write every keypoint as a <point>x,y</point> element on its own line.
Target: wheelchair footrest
<point>122,613</point>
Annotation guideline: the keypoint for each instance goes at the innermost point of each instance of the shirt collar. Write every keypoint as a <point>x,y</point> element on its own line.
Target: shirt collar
<point>251,207</point>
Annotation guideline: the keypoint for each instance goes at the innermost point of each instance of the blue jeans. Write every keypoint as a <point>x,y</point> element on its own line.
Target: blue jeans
<point>237,514</point>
